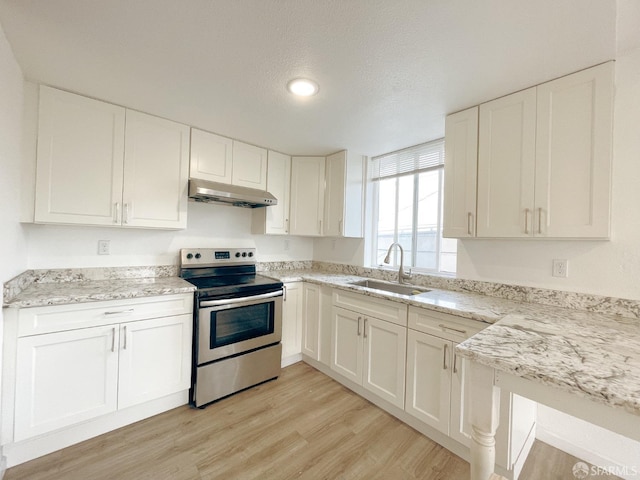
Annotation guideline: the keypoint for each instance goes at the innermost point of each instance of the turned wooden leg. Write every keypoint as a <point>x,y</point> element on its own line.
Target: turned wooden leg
<point>483,404</point>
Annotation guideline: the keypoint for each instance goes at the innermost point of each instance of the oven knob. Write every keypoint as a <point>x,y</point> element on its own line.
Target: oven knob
<point>244,254</point>
<point>198,255</point>
<point>189,256</point>
<point>250,254</point>
<point>237,254</point>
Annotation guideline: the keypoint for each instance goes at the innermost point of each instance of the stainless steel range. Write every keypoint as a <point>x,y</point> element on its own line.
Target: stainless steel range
<point>237,322</point>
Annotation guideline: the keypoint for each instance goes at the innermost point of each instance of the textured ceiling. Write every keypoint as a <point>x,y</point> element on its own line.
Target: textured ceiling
<point>389,70</point>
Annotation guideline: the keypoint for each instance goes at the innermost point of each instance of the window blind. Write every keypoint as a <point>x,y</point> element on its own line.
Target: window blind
<point>418,158</point>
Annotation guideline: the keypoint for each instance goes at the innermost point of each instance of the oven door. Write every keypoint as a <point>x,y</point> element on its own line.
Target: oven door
<point>235,325</point>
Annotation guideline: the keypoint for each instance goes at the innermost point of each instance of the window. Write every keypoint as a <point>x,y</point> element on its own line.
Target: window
<point>407,209</point>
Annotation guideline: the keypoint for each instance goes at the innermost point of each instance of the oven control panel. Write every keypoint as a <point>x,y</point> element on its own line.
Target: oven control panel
<point>217,256</point>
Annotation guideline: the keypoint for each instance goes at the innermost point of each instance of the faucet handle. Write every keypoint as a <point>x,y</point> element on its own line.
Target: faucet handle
<point>408,275</point>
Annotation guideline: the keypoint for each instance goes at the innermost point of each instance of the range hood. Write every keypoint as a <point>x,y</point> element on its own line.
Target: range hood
<point>210,192</point>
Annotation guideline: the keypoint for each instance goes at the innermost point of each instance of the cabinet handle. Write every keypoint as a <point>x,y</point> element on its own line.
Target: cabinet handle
<point>116,218</point>
<point>469,223</point>
<point>286,223</point>
<point>526,221</point>
<point>125,220</point>
<point>455,361</point>
<point>340,227</point>
<point>320,227</point>
<point>124,347</point>
<point>540,220</point>
<point>359,318</point>
<point>119,312</point>
<point>113,339</point>
<point>364,331</point>
<point>444,356</point>
<point>445,327</point>
<point>284,293</point>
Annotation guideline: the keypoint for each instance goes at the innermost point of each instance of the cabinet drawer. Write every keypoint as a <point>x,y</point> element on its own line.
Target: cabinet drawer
<point>35,321</point>
<point>383,309</point>
<point>443,325</point>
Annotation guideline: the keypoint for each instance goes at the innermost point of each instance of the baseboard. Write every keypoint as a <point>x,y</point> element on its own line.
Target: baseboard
<point>290,360</point>
<point>17,453</point>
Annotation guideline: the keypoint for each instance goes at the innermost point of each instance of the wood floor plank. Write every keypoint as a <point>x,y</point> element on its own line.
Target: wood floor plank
<point>302,426</point>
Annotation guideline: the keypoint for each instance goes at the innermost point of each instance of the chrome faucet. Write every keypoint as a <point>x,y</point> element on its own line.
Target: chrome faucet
<point>401,275</point>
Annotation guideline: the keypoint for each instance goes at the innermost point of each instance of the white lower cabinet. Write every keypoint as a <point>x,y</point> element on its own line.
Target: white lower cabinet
<point>311,294</point>
<point>105,357</point>
<point>369,351</point>
<point>292,323</point>
<point>65,378</point>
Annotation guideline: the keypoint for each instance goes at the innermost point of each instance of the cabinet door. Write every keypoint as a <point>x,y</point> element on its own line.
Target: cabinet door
<point>460,173</point>
<point>278,184</point>
<point>79,160</point>
<point>307,195</point>
<point>65,378</point>
<point>334,199</point>
<point>346,357</point>
<point>385,349</point>
<point>311,322</point>
<point>460,428</point>
<point>155,359</point>
<point>506,166</point>
<point>573,154</point>
<point>429,379</point>
<point>249,166</point>
<point>211,157</point>
<point>292,320</point>
<point>156,172</point>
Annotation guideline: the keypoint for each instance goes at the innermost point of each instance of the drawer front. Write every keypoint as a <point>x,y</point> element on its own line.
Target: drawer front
<point>58,318</point>
<point>375,307</point>
<point>443,325</point>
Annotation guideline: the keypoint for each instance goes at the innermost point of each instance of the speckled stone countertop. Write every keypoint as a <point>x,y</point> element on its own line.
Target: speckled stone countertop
<point>61,293</point>
<point>593,355</point>
<point>468,305</point>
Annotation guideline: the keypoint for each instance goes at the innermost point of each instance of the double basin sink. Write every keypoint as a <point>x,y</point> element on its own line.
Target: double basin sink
<point>398,288</point>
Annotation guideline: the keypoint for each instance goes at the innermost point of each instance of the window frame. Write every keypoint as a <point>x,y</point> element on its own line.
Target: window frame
<point>375,212</point>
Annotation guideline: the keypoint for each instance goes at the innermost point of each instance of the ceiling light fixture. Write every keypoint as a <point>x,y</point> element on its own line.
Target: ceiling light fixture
<point>302,87</point>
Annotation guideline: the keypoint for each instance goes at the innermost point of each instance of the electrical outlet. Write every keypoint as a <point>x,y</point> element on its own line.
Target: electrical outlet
<point>103,247</point>
<point>286,244</point>
<point>560,268</point>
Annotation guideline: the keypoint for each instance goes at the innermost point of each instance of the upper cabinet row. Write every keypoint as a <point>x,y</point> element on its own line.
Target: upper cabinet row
<point>536,163</point>
<point>221,159</point>
<point>101,164</point>
<point>317,196</point>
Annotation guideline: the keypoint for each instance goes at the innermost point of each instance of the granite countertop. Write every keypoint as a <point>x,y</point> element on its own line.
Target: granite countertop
<point>593,355</point>
<point>473,306</point>
<point>61,293</point>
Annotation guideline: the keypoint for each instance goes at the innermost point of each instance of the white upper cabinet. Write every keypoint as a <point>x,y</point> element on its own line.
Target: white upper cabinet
<point>573,154</point>
<point>460,173</point>
<point>543,162</point>
<point>344,195</point>
<point>211,156</point>
<point>91,170</point>
<point>249,166</point>
<point>156,170</point>
<point>506,165</point>
<point>307,195</point>
<point>274,219</point>
<point>79,160</point>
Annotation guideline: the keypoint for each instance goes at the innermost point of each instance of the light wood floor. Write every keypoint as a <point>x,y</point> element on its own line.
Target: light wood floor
<point>303,425</point>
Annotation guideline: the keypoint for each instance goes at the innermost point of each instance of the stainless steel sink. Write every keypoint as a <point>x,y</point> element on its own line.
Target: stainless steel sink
<point>390,287</point>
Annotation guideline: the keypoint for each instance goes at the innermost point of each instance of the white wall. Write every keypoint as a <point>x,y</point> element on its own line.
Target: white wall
<point>63,246</point>
<point>13,256</point>
<point>339,250</point>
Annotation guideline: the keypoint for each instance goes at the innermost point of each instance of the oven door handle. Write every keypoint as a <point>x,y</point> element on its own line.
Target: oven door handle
<point>229,301</point>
